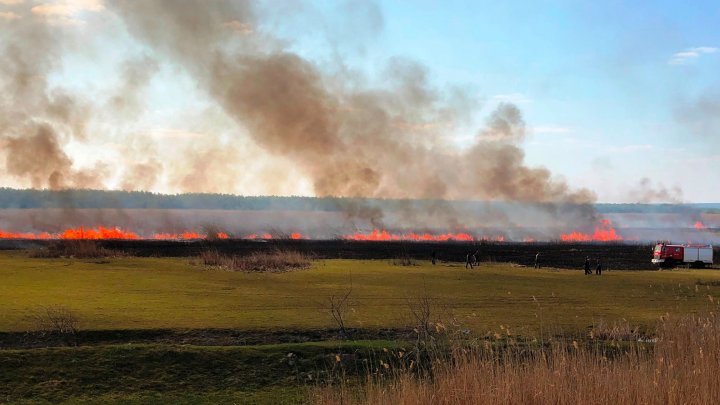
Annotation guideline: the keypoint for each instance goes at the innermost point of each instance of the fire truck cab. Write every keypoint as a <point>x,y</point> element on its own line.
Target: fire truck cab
<point>667,255</point>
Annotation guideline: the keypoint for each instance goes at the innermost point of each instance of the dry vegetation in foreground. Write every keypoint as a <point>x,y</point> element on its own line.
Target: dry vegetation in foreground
<point>683,367</point>
<point>79,249</point>
<point>275,261</point>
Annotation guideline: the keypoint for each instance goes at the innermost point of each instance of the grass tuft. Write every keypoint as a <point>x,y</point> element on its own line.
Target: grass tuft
<point>275,261</point>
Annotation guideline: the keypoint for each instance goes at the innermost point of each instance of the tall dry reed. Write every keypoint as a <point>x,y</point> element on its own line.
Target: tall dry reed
<point>683,367</point>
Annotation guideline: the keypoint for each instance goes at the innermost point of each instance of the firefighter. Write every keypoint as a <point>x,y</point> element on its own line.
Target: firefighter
<point>598,269</point>
<point>587,265</point>
<point>469,260</point>
<point>537,260</point>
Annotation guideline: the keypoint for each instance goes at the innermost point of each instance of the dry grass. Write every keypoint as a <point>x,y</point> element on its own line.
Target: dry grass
<point>618,331</point>
<point>275,261</point>
<point>683,367</point>
<point>79,249</point>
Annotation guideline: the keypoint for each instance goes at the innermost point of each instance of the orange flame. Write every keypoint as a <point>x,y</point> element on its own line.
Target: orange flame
<point>99,233</point>
<point>604,232</point>
<point>178,236</point>
<point>12,235</point>
<point>699,225</point>
<point>378,235</point>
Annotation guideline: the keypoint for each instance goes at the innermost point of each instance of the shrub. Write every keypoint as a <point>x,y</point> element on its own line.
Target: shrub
<point>277,260</point>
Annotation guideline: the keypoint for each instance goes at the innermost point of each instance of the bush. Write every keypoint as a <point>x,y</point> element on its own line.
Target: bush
<point>278,260</point>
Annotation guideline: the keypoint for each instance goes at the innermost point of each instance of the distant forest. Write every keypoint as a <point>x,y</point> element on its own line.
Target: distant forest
<point>14,198</point>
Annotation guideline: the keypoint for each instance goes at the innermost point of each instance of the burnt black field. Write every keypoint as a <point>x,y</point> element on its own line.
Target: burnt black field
<point>615,256</point>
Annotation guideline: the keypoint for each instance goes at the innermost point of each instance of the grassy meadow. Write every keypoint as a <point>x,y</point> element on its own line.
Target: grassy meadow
<point>145,293</point>
<point>493,301</point>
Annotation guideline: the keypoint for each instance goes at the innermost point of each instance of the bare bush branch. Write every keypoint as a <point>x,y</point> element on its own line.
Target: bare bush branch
<point>338,306</point>
<point>58,319</point>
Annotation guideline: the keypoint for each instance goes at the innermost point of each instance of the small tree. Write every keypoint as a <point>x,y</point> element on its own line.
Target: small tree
<point>338,306</point>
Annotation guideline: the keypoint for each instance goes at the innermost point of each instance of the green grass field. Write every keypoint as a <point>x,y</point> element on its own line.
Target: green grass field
<point>152,293</point>
<point>138,293</point>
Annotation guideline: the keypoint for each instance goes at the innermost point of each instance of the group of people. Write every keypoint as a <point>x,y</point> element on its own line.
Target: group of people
<point>471,260</point>
<point>598,268</point>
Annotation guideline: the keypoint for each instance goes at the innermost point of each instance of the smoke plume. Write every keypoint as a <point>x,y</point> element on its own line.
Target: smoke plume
<point>645,193</point>
<point>35,120</point>
<point>349,137</point>
<point>350,140</point>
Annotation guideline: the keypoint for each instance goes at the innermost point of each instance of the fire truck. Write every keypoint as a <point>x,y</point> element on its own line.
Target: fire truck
<point>667,255</point>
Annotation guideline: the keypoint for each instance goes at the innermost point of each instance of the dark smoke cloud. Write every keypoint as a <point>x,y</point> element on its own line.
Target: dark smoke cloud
<point>347,139</point>
<point>350,138</point>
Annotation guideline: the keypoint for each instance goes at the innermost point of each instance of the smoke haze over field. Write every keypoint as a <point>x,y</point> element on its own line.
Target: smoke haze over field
<point>264,117</point>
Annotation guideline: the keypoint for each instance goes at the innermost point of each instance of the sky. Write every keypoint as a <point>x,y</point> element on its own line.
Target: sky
<point>620,99</point>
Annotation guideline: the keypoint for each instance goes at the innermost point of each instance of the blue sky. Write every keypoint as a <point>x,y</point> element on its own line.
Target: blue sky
<point>611,92</point>
<point>598,81</point>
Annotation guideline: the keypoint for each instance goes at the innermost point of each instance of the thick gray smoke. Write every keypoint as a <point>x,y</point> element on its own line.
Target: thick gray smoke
<point>349,139</point>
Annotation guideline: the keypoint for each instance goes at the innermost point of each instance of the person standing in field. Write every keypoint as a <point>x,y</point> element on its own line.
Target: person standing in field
<point>537,260</point>
<point>587,265</point>
<point>599,268</point>
<point>469,260</point>
<point>434,257</point>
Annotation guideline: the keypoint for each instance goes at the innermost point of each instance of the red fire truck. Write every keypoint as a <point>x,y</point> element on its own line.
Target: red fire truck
<point>667,255</point>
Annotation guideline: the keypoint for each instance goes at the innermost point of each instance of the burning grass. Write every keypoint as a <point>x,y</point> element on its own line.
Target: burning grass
<point>274,261</point>
<point>682,367</point>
